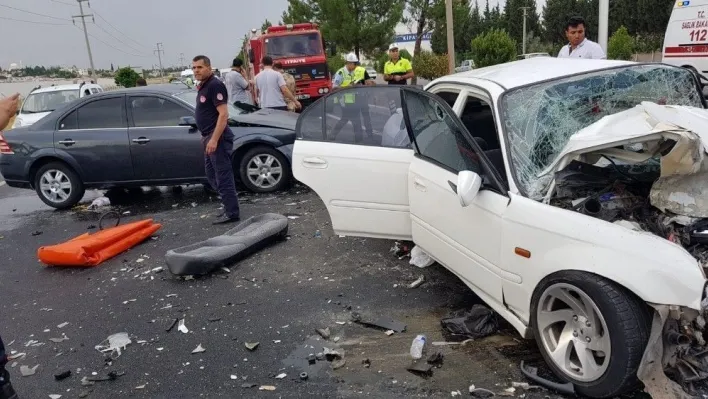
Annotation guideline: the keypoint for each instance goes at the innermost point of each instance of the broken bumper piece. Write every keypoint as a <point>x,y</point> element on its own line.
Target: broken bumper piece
<point>675,362</point>
<point>206,256</point>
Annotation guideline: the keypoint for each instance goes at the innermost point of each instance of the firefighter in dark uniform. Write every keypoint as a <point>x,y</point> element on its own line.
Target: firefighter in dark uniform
<point>212,116</point>
<point>397,70</point>
<point>355,106</point>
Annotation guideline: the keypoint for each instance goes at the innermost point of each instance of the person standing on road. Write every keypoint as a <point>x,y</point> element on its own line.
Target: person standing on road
<point>353,104</point>
<point>212,116</point>
<point>397,70</point>
<point>237,85</point>
<point>271,89</point>
<point>289,82</point>
<point>578,45</point>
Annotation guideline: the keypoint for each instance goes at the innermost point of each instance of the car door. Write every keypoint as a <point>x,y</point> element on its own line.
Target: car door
<point>363,180</point>
<point>161,149</point>
<point>95,135</point>
<point>466,239</point>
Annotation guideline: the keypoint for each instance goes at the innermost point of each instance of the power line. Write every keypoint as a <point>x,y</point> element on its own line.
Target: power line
<point>111,46</point>
<point>30,12</point>
<point>111,35</point>
<point>66,4</point>
<point>118,30</point>
<point>34,22</point>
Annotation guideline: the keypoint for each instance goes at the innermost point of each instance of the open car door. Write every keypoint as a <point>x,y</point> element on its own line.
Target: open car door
<point>354,151</point>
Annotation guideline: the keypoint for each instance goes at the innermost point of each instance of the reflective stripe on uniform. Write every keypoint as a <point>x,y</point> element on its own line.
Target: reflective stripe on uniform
<point>358,75</point>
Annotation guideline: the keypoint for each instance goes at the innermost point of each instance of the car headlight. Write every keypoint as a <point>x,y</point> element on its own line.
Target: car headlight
<point>326,90</point>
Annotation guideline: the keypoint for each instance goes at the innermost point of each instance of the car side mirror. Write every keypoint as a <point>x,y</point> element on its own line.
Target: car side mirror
<point>468,185</point>
<point>188,121</point>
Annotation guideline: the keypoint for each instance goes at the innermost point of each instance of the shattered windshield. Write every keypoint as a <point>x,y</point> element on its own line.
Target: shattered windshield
<point>294,45</point>
<point>539,119</point>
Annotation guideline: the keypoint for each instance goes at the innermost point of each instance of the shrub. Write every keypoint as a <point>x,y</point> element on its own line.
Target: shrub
<point>126,77</point>
<point>430,66</point>
<point>493,47</point>
<point>620,45</point>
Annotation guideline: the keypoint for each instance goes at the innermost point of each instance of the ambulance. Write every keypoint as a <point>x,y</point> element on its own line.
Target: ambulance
<point>686,39</point>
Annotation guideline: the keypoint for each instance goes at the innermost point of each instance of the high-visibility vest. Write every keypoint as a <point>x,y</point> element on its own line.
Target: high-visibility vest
<point>358,75</point>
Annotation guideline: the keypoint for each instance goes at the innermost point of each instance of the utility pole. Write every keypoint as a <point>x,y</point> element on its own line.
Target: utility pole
<point>83,22</point>
<point>523,41</point>
<point>159,53</point>
<point>603,23</point>
<point>450,37</point>
<point>181,60</point>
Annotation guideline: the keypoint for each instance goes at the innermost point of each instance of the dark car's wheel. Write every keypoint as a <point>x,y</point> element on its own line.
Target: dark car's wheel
<point>591,332</point>
<point>58,185</point>
<point>264,169</point>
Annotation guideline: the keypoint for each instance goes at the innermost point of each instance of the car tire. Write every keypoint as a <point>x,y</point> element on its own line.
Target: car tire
<point>58,185</point>
<point>624,324</point>
<point>263,169</point>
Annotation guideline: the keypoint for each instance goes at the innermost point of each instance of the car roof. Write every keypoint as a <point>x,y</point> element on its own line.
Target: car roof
<point>165,88</point>
<point>532,70</point>
<point>62,87</point>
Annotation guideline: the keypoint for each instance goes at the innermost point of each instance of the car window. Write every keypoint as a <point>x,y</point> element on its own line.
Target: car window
<point>437,135</point>
<point>94,90</point>
<point>48,101</point>
<point>150,111</point>
<point>87,92</point>
<point>70,121</point>
<point>366,115</point>
<point>478,118</point>
<point>103,114</point>
<point>448,96</point>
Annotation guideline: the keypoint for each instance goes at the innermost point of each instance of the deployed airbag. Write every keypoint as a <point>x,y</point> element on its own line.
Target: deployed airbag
<point>239,242</point>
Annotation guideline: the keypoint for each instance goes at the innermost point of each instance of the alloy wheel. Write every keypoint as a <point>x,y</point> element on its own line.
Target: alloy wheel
<point>55,186</point>
<point>264,171</point>
<point>573,332</point>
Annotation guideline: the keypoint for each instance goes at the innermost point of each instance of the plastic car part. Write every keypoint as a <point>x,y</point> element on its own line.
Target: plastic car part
<point>92,249</point>
<point>248,237</point>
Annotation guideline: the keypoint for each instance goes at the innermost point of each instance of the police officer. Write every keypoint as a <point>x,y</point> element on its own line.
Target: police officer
<point>212,116</point>
<point>397,70</point>
<point>353,104</point>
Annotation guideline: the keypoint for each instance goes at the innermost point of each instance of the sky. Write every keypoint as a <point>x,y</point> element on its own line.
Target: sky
<point>126,32</point>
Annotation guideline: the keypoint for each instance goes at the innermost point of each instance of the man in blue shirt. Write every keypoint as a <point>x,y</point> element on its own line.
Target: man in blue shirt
<point>212,116</point>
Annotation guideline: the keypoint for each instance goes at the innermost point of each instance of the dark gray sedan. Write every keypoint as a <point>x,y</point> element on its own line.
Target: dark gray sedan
<point>143,136</point>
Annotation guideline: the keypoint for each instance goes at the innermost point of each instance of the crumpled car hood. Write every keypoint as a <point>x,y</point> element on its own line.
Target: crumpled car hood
<point>635,124</point>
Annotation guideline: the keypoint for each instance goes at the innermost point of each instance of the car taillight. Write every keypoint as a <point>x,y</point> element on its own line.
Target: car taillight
<point>4,147</point>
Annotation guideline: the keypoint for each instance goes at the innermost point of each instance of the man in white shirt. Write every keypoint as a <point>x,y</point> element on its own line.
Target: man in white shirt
<point>578,46</point>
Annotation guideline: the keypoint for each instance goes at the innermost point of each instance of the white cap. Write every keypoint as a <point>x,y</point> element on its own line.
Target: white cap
<point>393,46</point>
<point>351,57</point>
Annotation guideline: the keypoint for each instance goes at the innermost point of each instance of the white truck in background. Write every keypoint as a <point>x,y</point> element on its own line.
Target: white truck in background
<point>686,38</point>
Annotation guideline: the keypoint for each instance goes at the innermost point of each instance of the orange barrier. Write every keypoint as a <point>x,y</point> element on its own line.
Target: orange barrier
<point>89,250</point>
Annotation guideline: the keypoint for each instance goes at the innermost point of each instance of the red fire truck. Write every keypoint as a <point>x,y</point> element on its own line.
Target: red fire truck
<point>301,50</point>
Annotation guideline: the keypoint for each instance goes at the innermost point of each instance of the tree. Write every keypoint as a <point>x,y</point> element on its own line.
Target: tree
<point>513,19</point>
<point>364,26</point>
<point>493,47</point>
<point>126,77</point>
<point>335,63</point>
<point>461,18</point>
<point>301,11</point>
<point>430,66</point>
<point>621,45</point>
<point>266,24</point>
<point>420,13</point>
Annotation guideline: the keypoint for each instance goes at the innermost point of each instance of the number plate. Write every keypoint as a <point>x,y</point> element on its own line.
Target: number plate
<point>303,96</point>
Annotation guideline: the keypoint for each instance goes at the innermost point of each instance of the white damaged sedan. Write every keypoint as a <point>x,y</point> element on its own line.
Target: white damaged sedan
<point>570,195</point>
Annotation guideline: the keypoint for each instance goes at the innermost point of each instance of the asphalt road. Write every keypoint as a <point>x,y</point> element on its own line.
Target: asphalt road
<point>277,297</point>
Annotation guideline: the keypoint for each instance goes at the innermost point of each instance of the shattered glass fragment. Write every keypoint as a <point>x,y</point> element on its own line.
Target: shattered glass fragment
<point>114,344</point>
